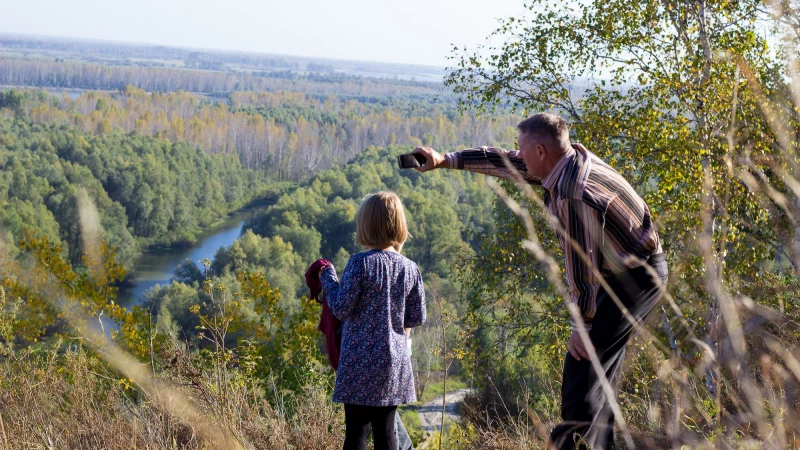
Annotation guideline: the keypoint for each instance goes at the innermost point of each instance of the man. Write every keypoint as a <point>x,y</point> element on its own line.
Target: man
<point>602,215</point>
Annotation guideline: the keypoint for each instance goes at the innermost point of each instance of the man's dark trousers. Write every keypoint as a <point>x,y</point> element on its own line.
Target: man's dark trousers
<point>585,410</point>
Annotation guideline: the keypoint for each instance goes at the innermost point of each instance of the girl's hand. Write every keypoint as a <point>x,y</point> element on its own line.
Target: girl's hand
<point>322,270</point>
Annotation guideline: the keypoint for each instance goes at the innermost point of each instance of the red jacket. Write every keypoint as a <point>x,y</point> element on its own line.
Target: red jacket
<point>329,325</point>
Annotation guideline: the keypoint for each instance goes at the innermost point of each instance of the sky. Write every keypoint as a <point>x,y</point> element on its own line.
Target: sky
<point>411,31</point>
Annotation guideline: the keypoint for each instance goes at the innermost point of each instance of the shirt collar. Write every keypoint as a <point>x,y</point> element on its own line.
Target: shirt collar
<point>551,179</point>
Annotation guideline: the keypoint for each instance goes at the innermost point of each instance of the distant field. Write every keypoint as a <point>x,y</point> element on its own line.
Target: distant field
<point>140,55</point>
<point>57,64</point>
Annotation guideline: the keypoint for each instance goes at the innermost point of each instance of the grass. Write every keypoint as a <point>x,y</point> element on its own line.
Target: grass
<point>84,405</point>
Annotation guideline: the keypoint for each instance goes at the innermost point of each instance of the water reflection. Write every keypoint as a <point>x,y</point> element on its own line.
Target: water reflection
<point>157,266</point>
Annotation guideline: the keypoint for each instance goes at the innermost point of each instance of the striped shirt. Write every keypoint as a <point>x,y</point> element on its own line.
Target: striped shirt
<point>596,207</point>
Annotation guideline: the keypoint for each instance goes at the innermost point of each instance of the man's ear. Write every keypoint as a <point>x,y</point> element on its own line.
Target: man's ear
<point>541,152</point>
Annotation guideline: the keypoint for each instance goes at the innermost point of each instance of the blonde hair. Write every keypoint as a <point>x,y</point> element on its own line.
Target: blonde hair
<point>381,221</point>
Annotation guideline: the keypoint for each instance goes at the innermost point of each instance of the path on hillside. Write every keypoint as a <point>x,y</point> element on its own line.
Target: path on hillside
<point>430,413</point>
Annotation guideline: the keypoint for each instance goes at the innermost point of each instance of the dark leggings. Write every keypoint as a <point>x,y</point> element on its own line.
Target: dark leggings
<point>357,420</point>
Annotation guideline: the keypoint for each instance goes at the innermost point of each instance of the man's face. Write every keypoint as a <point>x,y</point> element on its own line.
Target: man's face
<point>533,153</point>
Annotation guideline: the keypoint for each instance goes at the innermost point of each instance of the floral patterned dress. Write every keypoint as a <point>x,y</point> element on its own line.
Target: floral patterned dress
<point>380,295</point>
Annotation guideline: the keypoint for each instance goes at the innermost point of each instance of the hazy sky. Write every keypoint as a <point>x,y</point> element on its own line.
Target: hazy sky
<point>411,31</point>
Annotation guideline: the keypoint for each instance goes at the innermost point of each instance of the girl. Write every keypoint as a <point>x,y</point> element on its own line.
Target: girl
<point>379,296</point>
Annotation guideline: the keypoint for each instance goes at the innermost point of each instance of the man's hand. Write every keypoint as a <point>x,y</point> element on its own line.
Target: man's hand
<point>433,159</point>
<point>577,348</point>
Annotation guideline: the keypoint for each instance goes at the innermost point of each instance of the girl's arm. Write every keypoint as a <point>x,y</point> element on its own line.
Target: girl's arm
<point>415,303</point>
<point>343,296</point>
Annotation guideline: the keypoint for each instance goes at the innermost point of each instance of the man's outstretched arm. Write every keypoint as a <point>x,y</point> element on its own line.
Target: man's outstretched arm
<point>485,160</point>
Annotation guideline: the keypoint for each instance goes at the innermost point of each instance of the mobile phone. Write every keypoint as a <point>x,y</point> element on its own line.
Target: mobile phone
<point>410,160</point>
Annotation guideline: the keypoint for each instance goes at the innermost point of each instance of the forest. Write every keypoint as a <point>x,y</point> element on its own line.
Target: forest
<point>82,75</point>
<point>146,191</point>
<point>287,135</point>
<point>695,103</point>
<point>130,150</point>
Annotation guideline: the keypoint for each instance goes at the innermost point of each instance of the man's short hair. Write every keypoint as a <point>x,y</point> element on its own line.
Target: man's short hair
<point>547,127</point>
<point>381,221</point>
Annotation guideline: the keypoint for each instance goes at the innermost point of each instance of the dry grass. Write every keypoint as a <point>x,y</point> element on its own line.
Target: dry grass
<point>69,399</point>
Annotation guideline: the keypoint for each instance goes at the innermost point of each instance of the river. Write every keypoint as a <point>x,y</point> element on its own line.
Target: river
<point>156,266</point>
